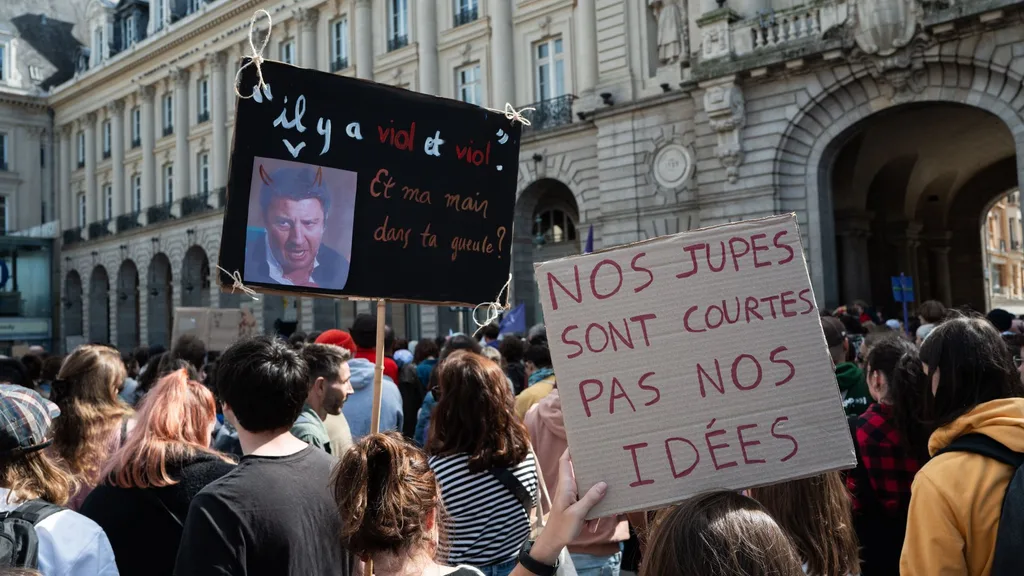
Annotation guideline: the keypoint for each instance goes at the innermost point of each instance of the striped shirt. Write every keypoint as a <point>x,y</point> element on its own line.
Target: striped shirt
<point>485,523</point>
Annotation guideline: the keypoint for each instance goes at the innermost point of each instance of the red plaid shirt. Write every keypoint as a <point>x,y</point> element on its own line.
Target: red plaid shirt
<point>888,465</point>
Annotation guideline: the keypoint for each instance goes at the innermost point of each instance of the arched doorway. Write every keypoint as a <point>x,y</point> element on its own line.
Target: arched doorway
<point>127,306</point>
<point>546,227</point>
<point>160,303</point>
<point>195,279</point>
<point>99,306</point>
<point>73,317</point>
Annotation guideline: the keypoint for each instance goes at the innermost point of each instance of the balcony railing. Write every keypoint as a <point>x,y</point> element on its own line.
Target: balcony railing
<point>159,213</point>
<point>398,41</point>
<point>126,222</point>
<point>195,204</point>
<point>99,230</point>
<point>168,130</point>
<point>73,236</point>
<point>106,154</point>
<point>548,114</point>
<point>466,15</point>
<point>339,64</point>
<point>1015,245</point>
<point>136,142</point>
<point>81,163</point>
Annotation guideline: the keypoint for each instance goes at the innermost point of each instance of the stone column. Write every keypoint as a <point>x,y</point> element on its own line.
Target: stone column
<point>67,202</point>
<point>362,26</point>
<point>91,193</point>
<point>182,185</point>
<point>854,229</point>
<point>308,19</point>
<point>503,70</point>
<point>426,37</point>
<point>940,270</point>
<point>116,111</point>
<point>586,49</point>
<point>149,195</point>
<point>219,159</point>
<point>305,315</point>
<point>904,237</point>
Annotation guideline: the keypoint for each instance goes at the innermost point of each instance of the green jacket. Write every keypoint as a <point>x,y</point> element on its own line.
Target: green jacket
<point>854,388</point>
<point>310,429</point>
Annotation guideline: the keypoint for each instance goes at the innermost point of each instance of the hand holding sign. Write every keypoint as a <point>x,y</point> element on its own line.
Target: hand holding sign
<point>693,362</point>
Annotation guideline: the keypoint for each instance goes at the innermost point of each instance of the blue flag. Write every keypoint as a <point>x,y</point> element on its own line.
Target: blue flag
<point>514,321</point>
<point>589,247</point>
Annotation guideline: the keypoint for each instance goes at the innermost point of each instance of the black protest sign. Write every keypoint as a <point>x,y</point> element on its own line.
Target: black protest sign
<point>345,187</point>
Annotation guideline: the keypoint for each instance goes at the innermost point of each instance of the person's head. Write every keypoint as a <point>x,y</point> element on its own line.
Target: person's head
<point>490,332</point>
<point>141,355</point>
<point>387,497</point>
<point>1001,319</point>
<point>402,344</point>
<point>173,423</point>
<point>329,377</point>
<point>26,468</point>
<point>460,342</point>
<point>12,371</point>
<point>163,364</point>
<point>852,324</point>
<point>425,348</point>
<point>389,341</point>
<point>931,312</point>
<point>538,334</point>
<point>86,392</point>
<point>817,514</point>
<point>922,333</point>
<point>835,339</point>
<point>474,414</point>
<point>336,337</point>
<point>512,349</point>
<point>538,356</point>
<point>967,364</point>
<point>364,331</point>
<point>130,365</point>
<point>491,353</point>
<point>192,350</point>
<point>881,365</point>
<point>51,367</point>
<point>148,378</point>
<point>296,340</point>
<point>262,385</point>
<point>910,394</point>
<point>718,534</point>
<point>295,207</point>
<point>312,336</point>
<point>33,364</point>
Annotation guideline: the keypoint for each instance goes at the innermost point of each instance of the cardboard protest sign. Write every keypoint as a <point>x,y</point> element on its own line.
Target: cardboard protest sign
<point>342,187</point>
<point>693,362</point>
<point>217,328</point>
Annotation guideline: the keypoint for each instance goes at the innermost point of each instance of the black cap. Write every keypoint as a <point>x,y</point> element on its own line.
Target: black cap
<point>834,331</point>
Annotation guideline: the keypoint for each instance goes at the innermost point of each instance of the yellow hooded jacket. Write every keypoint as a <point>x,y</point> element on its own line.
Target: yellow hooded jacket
<point>957,498</point>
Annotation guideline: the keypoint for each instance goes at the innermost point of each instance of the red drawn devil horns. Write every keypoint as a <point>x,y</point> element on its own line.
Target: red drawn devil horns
<point>318,180</point>
<point>265,177</point>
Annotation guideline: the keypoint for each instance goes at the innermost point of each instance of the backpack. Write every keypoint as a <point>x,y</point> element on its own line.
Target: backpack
<point>1009,554</point>
<point>19,544</point>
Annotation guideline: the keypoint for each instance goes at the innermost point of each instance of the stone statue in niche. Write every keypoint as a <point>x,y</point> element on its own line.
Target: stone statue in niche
<point>671,30</point>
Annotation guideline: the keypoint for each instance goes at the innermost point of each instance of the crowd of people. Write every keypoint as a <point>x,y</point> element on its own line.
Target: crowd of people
<point>261,460</point>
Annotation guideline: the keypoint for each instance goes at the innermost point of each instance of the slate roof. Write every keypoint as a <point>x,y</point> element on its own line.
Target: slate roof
<point>53,40</point>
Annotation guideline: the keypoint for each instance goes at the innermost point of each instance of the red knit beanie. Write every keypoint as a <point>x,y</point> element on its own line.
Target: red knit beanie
<point>337,338</point>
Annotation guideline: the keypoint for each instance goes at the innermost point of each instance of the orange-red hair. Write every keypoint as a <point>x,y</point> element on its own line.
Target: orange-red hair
<point>173,423</point>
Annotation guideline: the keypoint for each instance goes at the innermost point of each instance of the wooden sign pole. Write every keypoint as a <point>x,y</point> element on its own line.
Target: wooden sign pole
<point>378,372</point>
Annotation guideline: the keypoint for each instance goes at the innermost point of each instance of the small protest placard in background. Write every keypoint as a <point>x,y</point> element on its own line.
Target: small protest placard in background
<point>217,328</point>
<point>693,362</point>
<point>341,186</point>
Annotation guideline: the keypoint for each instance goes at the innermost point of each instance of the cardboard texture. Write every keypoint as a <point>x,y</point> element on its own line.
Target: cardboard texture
<point>693,362</point>
<point>218,328</point>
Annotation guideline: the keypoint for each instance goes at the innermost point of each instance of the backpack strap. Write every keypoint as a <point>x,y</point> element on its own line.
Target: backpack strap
<point>985,446</point>
<point>513,485</point>
<point>34,511</point>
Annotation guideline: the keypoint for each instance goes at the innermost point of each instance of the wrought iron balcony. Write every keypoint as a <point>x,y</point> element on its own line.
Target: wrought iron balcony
<point>466,15</point>
<point>203,117</point>
<point>126,222</point>
<point>160,213</point>
<point>136,142</point>
<point>73,236</point>
<point>548,114</point>
<point>398,41</point>
<point>195,204</point>
<point>98,230</point>
<point>81,163</point>
<point>168,130</point>
<point>106,154</point>
<point>339,64</point>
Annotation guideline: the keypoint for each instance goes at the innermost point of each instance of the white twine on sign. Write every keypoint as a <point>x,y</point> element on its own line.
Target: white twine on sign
<point>513,114</point>
<point>238,285</point>
<point>256,58</point>
<point>494,309</point>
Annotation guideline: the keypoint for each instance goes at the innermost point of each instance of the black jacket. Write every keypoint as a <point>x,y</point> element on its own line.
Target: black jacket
<point>144,525</point>
<point>332,273</point>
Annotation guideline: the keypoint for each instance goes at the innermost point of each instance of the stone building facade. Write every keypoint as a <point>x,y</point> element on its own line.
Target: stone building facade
<point>1004,254</point>
<point>887,126</point>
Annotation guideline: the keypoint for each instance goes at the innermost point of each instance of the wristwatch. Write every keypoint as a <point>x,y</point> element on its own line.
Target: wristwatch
<point>538,568</point>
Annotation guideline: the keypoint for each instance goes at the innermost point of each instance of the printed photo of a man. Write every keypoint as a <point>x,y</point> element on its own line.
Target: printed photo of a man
<point>291,227</point>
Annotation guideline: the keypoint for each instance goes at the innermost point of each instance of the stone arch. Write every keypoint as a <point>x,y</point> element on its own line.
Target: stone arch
<point>160,303</point>
<point>542,197</point>
<point>73,306</point>
<point>99,306</point>
<point>195,278</point>
<point>127,306</point>
<point>820,127</point>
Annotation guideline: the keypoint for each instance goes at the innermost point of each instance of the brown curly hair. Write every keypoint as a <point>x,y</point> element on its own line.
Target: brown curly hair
<point>475,414</point>
<point>385,492</point>
<point>86,392</point>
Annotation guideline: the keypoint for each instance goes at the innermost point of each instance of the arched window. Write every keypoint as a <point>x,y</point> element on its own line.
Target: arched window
<point>554,225</point>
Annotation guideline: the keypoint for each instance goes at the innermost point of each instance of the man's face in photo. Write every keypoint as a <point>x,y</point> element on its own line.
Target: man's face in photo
<point>295,229</point>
